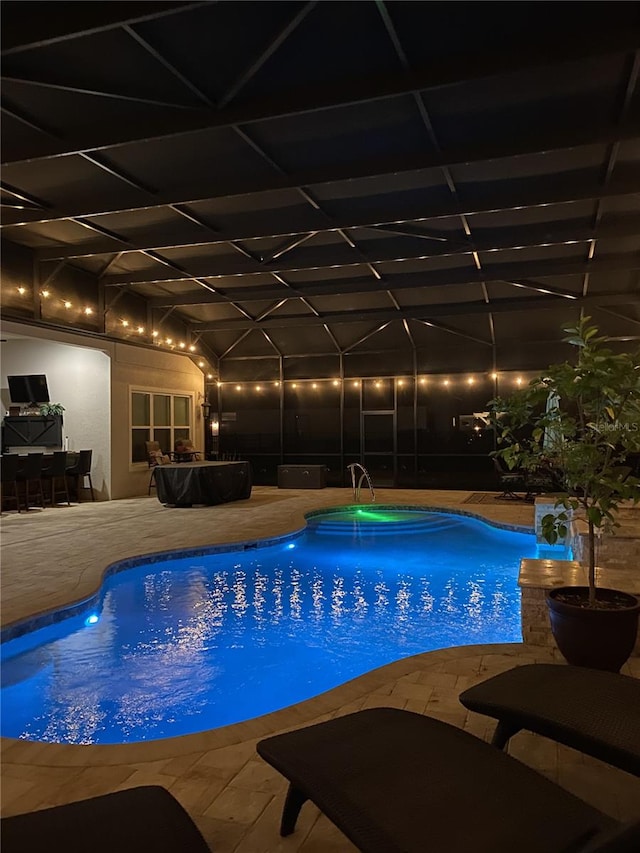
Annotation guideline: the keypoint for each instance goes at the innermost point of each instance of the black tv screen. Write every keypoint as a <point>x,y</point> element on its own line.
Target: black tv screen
<point>28,389</point>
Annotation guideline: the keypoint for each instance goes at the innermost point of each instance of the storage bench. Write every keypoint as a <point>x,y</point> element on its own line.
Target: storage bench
<point>301,476</point>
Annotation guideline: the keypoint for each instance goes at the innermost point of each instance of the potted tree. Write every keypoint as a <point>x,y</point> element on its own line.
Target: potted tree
<point>579,423</point>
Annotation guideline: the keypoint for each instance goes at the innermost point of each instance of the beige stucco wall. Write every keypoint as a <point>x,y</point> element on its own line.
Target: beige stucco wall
<point>134,367</point>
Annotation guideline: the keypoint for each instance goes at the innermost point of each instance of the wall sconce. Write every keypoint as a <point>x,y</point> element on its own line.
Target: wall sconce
<point>206,409</point>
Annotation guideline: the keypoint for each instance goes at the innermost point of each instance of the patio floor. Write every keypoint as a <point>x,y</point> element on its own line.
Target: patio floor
<point>56,556</point>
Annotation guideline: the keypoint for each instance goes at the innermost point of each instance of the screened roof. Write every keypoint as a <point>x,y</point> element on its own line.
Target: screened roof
<point>446,184</point>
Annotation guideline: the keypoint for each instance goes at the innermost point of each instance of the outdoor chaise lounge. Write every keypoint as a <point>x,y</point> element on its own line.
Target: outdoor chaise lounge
<point>146,819</point>
<point>398,782</point>
<point>591,710</point>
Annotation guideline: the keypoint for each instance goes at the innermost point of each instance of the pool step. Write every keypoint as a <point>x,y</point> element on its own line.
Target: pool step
<point>421,524</point>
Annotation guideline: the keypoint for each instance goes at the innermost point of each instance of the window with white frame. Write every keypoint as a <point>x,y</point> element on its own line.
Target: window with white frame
<point>158,417</point>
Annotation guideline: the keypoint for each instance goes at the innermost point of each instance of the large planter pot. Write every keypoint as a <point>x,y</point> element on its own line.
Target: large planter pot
<point>598,637</point>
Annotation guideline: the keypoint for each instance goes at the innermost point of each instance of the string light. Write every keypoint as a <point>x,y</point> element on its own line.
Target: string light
<point>22,290</point>
<point>316,384</point>
<point>45,294</point>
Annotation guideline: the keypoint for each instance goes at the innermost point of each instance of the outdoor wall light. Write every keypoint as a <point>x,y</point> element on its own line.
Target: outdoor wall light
<point>206,409</point>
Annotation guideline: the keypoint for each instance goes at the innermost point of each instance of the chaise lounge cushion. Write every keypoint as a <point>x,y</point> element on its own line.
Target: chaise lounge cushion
<point>146,819</point>
<point>591,710</point>
<point>398,782</point>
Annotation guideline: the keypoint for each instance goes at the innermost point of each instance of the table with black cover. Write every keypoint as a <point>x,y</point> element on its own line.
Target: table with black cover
<point>187,483</point>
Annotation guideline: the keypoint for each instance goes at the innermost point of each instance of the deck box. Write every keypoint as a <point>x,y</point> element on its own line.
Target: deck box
<point>301,476</point>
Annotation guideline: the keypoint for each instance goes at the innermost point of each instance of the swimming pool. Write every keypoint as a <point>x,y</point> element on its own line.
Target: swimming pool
<point>184,643</point>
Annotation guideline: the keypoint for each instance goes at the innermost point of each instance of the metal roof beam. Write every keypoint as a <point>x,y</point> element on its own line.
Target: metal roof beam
<point>416,312</point>
<point>216,268</point>
<point>410,281</point>
<point>626,225</point>
<point>557,50</point>
<point>266,54</point>
<point>529,143</point>
<point>49,25</point>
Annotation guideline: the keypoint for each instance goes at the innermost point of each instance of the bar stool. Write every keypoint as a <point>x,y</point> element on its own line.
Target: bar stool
<point>10,462</point>
<point>55,473</point>
<point>29,474</point>
<point>80,470</point>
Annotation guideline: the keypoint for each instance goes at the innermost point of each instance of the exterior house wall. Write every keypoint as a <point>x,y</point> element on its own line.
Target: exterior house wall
<point>92,379</point>
<point>135,367</point>
<point>79,379</point>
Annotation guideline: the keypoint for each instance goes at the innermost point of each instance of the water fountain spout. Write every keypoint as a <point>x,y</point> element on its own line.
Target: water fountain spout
<point>357,485</point>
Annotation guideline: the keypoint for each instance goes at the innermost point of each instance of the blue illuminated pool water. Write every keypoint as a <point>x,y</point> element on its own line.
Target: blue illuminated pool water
<point>196,642</point>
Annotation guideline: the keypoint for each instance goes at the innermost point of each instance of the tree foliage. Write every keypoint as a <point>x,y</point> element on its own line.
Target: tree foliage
<point>578,424</point>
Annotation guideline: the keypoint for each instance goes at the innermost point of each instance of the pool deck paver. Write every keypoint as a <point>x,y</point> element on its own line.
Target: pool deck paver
<point>54,557</point>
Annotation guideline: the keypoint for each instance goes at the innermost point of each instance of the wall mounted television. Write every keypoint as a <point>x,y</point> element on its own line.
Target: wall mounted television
<point>28,389</point>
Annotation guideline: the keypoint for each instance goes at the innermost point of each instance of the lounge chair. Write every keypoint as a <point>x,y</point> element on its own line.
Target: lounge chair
<point>510,481</point>
<point>591,710</point>
<point>146,819</point>
<point>398,782</point>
